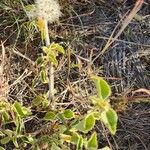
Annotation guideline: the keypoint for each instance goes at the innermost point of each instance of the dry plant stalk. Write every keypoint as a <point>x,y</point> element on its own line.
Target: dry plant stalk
<point>2,68</point>
<point>3,82</point>
<point>51,68</point>
<point>125,23</point>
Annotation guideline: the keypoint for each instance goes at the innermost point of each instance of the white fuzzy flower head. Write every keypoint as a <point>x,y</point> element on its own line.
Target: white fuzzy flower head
<point>48,10</point>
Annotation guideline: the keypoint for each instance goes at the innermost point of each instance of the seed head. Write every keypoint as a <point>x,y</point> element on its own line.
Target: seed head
<point>48,10</point>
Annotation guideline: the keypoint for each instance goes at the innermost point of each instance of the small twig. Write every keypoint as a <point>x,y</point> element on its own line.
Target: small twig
<point>2,61</point>
<point>23,56</point>
<point>3,82</point>
<point>21,77</point>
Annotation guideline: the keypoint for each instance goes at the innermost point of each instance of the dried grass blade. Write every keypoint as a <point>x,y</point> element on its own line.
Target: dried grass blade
<point>125,23</point>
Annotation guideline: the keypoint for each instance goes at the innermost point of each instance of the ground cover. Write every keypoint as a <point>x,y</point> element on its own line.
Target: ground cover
<point>84,29</point>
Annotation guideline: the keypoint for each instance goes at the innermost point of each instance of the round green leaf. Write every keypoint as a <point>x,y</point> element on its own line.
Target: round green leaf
<point>68,113</point>
<point>50,116</point>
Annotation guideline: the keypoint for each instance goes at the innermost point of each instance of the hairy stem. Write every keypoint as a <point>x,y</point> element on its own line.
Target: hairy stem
<point>51,68</point>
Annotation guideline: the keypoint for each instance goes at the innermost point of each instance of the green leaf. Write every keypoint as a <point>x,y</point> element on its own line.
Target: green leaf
<point>75,138</point>
<point>62,129</point>
<point>2,134</point>
<point>80,126</point>
<point>50,116</point>
<point>31,139</point>
<point>46,49</point>
<point>52,58</point>
<point>102,86</point>
<point>19,124</point>
<point>28,139</point>
<point>39,61</point>
<point>21,110</point>
<point>61,118</point>
<point>15,142</point>
<point>5,140</point>
<point>73,65</point>
<point>45,103</point>
<point>89,122</point>
<point>51,55</point>
<point>78,141</point>
<point>92,143</point>
<point>57,47</point>
<point>8,132</point>
<point>5,116</point>
<point>80,145</point>
<point>55,147</point>
<point>38,100</point>
<point>110,119</point>
<point>1,148</point>
<point>43,76</point>
<point>86,124</point>
<point>65,137</point>
<point>68,114</point>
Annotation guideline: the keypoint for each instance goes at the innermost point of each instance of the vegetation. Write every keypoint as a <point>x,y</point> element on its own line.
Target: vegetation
<point>64,125</point>
<point>58,113</point>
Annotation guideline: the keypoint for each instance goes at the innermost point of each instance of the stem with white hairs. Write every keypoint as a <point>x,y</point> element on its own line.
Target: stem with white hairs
<point>51,67</point>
